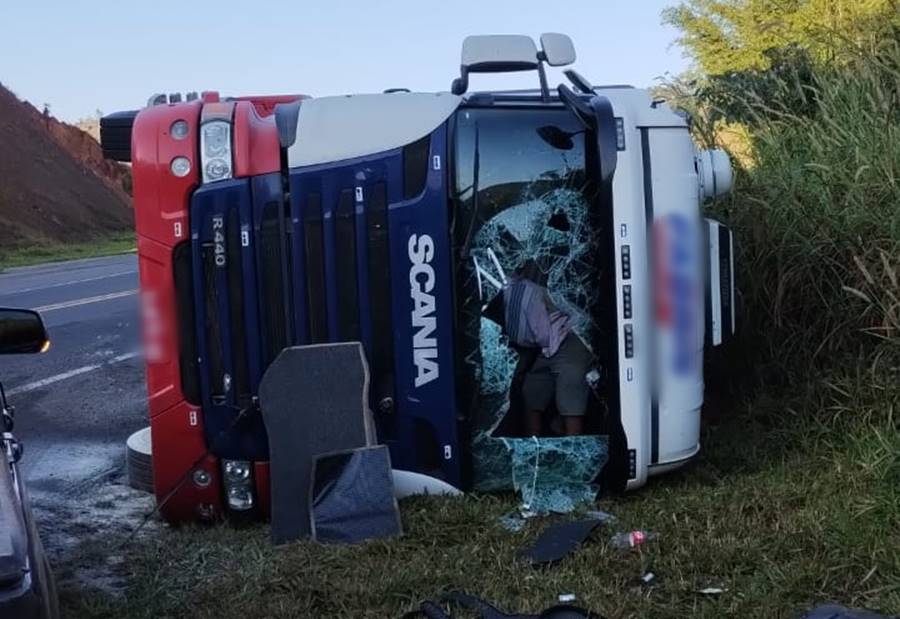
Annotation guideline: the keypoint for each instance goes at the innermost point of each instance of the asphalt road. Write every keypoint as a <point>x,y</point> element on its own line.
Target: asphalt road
<point>78,402</point>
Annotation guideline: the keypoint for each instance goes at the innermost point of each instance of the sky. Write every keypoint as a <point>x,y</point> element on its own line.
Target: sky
<point>81,56</point>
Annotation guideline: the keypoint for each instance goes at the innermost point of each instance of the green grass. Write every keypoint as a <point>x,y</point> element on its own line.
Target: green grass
<point>36,254</point>
<point>781,512</point>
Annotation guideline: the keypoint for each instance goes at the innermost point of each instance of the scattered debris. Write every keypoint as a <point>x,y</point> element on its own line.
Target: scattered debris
<point>555,475</point>
<point>640,583</point>
<point>487,611</point>
<point>512,522</point>
<point>515,521</point>
<point>353,496</point>
<point>834,611</point>
<point>712,591</point>
<point>558,540</point>
<point>307,413</point>
<point>602,516</point>
<point>631,539</point>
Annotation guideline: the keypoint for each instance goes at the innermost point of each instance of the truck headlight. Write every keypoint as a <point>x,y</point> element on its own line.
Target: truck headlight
<point>237,471</point>
<point>180,166</point>
<point>714,168</point>
<point>215,150</point>
<point>240,499</point>
<point>238,478</point>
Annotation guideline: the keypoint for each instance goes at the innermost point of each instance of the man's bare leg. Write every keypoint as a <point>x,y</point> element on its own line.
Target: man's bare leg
<point>573,425</point>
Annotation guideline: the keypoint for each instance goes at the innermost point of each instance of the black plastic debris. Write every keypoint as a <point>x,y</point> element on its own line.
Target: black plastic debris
<point>352,496</point>
<point>558,540</point>
<point>834,611</point>
<point>487,611</point>
<point>313,400</point>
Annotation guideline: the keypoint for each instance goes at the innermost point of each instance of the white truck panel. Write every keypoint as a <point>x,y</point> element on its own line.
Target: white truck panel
<point>333,129</point>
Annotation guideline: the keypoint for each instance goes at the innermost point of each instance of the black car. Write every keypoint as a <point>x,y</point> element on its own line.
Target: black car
<point>27,590</point>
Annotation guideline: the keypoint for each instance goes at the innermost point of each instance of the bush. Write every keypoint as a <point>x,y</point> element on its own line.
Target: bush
<point>817,213</point>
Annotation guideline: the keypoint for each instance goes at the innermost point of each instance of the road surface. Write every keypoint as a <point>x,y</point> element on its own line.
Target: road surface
<point>78,402</point>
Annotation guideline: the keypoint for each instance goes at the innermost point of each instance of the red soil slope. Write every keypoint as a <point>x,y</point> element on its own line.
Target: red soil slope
<point>55,186</point>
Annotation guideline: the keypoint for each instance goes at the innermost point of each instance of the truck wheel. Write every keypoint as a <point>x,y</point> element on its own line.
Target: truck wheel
<point>140,461</point>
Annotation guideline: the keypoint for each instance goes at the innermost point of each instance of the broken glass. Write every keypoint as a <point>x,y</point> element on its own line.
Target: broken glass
<point>556,474</point>
<point>523,212</point>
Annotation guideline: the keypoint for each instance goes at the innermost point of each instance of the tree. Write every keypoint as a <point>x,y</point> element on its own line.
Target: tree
<point>731,36</point>
<point>749,96</point>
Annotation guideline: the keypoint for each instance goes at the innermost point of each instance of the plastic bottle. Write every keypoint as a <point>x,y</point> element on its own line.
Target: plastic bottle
<point>631,539</point>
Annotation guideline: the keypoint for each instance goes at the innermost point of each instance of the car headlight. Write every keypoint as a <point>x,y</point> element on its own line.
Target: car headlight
<point>238,479</point>
<point>215,150</point>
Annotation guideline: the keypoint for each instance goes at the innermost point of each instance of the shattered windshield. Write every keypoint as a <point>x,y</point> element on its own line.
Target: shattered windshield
<point>523,212</point>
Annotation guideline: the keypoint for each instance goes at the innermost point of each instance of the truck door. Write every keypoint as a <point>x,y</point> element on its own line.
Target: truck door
<point>625,434</point>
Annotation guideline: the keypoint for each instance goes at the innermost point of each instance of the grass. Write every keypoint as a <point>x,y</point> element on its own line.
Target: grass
<point>116,243</point>
<point>782,513</point>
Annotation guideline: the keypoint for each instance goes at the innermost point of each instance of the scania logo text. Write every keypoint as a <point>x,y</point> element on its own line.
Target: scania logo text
<point>424,322</point>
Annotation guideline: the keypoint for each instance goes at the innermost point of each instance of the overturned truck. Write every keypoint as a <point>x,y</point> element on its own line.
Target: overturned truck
<point>395,220</point>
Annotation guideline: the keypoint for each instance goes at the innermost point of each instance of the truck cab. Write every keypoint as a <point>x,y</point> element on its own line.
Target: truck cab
<point>395,219</point>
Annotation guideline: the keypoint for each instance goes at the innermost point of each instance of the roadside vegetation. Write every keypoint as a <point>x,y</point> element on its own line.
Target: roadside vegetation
<point>117,243</point>
<point>794,500</point>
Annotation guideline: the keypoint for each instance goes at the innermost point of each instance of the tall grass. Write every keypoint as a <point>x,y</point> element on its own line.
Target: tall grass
<point>817,213</point>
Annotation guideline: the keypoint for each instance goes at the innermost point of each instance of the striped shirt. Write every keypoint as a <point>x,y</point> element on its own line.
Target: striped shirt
<point>532,321</point>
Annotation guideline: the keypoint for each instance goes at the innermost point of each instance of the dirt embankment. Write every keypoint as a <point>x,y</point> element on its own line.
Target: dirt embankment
<point>55,186</point>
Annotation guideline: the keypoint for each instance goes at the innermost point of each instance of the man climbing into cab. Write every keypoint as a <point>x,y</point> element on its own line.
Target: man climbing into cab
<point>559,360</point>
<point>553,360</point>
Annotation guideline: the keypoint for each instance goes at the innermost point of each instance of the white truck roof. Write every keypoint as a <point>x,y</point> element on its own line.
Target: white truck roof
<point>336,128</point>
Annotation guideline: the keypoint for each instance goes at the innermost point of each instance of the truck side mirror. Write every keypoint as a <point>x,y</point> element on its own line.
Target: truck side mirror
<point>494,53</point>
<point>558,49</point>
<point>22,331</point>
<point>556,137</point>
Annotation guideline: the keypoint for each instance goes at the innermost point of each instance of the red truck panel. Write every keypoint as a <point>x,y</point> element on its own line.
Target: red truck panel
<point>159,325</point>
<point>263,492</point>
<point>256,148</point>
<point>162,202</point>
<point>179,449</point>
<point>160,198</point>
<point>265,104</point>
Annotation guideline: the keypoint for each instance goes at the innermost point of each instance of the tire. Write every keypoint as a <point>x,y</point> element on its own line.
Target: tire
<point>140,461</point>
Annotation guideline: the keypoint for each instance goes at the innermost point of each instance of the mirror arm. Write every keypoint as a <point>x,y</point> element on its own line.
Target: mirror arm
<point>542,76</point>
<point>461,84</point>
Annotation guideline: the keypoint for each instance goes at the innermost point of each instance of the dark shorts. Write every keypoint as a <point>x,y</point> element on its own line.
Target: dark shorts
<point>561,376</point>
